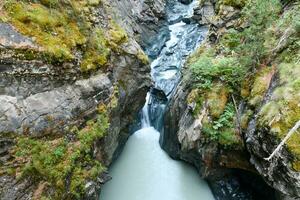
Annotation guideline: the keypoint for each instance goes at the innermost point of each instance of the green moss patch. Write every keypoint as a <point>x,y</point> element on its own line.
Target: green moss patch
<point>56,31</point>
<point>262,81</point>
<point>100,44</point>
<point>219,124</point>
<point>283,111</point>
<point>97,51</point>
<point>64,29</point>
<point>233,3</point>
<point>217,99</point>
<point>66,164</point>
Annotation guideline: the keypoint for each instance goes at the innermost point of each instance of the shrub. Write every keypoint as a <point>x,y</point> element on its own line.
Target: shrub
<point>225,69</point>
<point>60,161</point>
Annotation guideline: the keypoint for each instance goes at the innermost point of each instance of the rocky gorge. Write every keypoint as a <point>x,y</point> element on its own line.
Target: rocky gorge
<point>74,77</point>
<point>235,103</point>
<point>69,76</point>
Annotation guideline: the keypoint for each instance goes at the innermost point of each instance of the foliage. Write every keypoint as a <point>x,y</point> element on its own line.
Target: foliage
<point>66,164</point>
<point>264,41</point>
<point>238,53</point>
<point>209,68</point>
<point>226,118</point>
<point>248,45</point>
<point>223,130</point>
<point>282,110</point>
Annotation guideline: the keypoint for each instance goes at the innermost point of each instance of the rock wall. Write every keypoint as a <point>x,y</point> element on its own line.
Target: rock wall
<point>221,124</point>
<point>142,19</point>
<point>51,87</point>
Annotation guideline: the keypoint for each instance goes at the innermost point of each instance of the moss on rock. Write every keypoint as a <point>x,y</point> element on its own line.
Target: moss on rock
<point>67,164</point>
<point>219,124</point>
<point>282,112</point>
<point>262,81</point>
<point>97,51</point>
<point>65,29</point>
<point>233,3</point>
<point>217,99</point>
<point>56,31</point>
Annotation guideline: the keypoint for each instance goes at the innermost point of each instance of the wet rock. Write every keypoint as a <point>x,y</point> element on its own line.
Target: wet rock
<point>92,188</point>
<point>186,1</point>
<point>142,19</point>
<point>205,13</point>
<point>154,49</point>
<point>159,94</point>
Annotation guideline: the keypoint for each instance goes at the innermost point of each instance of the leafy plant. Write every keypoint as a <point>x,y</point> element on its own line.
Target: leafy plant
<point>60,161</point>
<point>226,119</point>
<point>208,69</point>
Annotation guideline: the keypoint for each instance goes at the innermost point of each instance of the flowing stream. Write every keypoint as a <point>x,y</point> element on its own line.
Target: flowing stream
<point>144,171</point>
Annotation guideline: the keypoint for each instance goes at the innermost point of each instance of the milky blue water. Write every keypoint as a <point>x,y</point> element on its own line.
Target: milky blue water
<point>145,172</point>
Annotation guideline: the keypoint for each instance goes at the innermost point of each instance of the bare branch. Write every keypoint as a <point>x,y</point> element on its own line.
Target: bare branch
<point>237,114</point>
<point>290,133</point>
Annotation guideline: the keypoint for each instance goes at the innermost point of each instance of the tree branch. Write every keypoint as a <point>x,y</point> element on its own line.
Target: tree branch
<point>237,114</point>
<point>290,133</point>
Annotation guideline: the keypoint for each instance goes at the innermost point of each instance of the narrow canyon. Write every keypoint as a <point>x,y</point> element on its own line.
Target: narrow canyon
<point>150,99</point>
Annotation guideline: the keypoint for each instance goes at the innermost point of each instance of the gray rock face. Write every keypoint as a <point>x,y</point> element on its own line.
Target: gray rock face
<point>142,19</point>
<point>13,189</point>
<point>20,77</point>
<point>205,13</point>
<point>278,172</point>
<point>38,98</point>
<point>10,38</point>
<point>40,112</point>
<point>183,139</point>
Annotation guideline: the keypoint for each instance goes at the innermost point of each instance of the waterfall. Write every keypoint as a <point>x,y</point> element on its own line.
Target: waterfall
<point>165,68</point>
<point>145,119</point>
<point>145,171</point>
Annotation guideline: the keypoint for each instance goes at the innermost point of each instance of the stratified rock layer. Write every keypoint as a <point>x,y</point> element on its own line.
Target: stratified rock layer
<point>262,109</point>
<point>42,98</point>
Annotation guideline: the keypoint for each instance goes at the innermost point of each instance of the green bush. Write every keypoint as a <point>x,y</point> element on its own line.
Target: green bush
<point>223,130</point>
<point>208,69</point>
